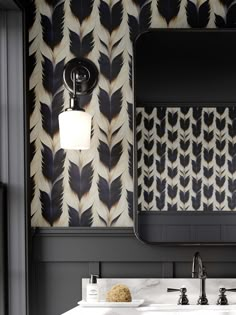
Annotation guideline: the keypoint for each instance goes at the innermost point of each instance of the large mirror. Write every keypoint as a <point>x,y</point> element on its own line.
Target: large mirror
<point>185,139</point>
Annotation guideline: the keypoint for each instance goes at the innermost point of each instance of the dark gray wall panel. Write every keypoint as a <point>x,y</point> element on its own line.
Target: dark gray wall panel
<point>131,269</point>
<point>62,257</point>
<point>58,287</point>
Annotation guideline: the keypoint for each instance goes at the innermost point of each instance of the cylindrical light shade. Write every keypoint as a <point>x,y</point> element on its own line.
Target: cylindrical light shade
<point>75,130</point>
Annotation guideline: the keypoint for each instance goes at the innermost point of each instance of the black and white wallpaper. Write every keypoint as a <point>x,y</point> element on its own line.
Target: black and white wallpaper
<point>95,187</point>
<point>186,158</point>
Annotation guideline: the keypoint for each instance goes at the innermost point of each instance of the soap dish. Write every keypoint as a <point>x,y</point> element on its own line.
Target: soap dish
<point>134,303</point>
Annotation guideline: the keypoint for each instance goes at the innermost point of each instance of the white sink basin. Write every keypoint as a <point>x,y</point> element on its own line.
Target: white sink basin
<point>201,309</point>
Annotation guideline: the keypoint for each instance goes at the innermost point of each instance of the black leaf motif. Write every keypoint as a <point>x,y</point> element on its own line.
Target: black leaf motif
<point>145,17</point>
<point>130,203</point>
<point>220,181</point>
<point>47,162</point>
<point>31,64</point>
<point>133,27</point>
<point>58,23</point>
<point>232,165</point>
<point>160,165</point>
<point>47,74</point>
<point>87,44</point>
<point>172,118</point>
<point>148,197</point>
<point>74,219</point>
<point>197,149</point>
<point>168,9</point>
<point>208,191</point>
<point>232,201</point>
<point>197,184</point>
<point>117,64</point>
<point>32,150</point>
<point>80,9</point>
<point>172,207</point>
<point>57,108</point>
<point>131,71</point>
<point>31,100</point>
<point>220,160</point>
<point>208,118</point>
<point>58,76</point>
<point>130,115</point>
<point>52,204</point>
<point>131,160</point>
<point>85,100</point>
<point>196,164</point>
<point>160,201</point>
<point>148,181</point>
<point>47,30</point>
<point>111,19</point>
<point>110,107</point>
<point>220,197</point>
<point>110,71</point>
<point>86,218</point>
<point>198,17</point>
<point>75,44</point>
<point>208,207</point>
<point>184,197</point>
<point>50,119</point>
<point>110,157</point>
<point>78,48</point>
<point>231,16</point>
<point>196,201</point>
<point>58,168</point>
<point>140,2</point>
<point>208,172</point>
<point>116,15</point>
<point>32,188</point>
<point>172,172</point>
<point>30,13</point>
<point>109,193</point>
<point>219,21</point>
<point>80,180</point>
<point>148,160</point>
<point>53,30</point>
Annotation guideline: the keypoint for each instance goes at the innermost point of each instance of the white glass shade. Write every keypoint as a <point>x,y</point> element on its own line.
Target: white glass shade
<point>75,130</point>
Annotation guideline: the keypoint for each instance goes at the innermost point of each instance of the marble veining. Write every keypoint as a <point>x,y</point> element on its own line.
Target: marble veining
<point>155,290</point>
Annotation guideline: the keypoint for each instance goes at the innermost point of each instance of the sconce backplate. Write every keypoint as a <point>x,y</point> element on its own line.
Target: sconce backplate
<point>86,74</point>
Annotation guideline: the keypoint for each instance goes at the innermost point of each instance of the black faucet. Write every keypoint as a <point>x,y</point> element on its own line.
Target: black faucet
<point>199,271</point>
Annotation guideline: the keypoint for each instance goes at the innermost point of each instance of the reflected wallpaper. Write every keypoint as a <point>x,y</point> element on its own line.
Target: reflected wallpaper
<point>186,159</point>
<point>95,187</point>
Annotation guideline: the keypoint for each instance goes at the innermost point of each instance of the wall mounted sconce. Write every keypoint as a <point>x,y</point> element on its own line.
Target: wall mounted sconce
<point>80,77</point>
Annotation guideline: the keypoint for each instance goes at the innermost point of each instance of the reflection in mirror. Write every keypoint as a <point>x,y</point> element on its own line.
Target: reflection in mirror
<point>185,140</point>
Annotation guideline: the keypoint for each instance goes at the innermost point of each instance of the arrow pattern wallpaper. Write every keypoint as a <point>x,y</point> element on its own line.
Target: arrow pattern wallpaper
<point>95,187</point>
<point>186,159</point>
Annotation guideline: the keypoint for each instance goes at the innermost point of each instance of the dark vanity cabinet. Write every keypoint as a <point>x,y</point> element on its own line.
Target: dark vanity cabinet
<point>185,136</point>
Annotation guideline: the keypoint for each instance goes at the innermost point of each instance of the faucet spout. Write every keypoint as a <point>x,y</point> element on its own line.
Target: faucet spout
<point>199,271</point>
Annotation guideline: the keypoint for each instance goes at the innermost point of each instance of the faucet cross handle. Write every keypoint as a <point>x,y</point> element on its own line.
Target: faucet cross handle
<point>183,299</point>
<point>222,300</point>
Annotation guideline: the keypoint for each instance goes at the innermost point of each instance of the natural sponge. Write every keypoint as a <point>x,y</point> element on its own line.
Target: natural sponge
<point>119,293</point>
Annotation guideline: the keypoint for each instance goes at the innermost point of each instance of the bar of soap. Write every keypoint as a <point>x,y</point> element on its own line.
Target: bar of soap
<point>119,293</point>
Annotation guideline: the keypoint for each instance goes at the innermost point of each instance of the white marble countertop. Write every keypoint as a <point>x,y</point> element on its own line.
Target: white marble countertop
<point>151,310</point>
<point>154,291</point>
